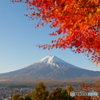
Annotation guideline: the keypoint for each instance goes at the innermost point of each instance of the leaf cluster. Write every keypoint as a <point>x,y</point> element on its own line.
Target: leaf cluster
<point>77,20</point>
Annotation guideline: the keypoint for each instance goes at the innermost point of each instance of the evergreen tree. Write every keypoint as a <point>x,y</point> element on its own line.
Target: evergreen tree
<point>21,98</point>
<point>27,97</point>
<point>40,92</point>
<point>16,97</point>
<point>69,89</point>
<point>57,94</point>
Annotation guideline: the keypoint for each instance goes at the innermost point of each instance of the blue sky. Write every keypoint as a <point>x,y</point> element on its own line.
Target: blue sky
<point>18,40</point>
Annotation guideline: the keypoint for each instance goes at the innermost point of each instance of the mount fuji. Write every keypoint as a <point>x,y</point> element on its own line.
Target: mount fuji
<point>55,62</point>
<point>50,68</point>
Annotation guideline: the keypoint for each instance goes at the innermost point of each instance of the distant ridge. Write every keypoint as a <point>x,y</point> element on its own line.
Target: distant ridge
<point>50,68</point>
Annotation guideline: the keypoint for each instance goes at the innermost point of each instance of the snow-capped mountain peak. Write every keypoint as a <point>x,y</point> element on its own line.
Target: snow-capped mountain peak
<point>55,61</point>
<point>50,68</point>
<point>51,60</point>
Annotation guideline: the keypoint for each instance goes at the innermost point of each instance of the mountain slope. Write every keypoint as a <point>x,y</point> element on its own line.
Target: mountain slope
<point>50,68</point>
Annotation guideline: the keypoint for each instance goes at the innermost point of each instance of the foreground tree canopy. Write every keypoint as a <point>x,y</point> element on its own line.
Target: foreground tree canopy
<point>40,93</point>
<point>77,20</point>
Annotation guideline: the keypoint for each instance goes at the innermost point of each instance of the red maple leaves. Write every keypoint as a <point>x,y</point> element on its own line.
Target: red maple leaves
<point>77,20</point>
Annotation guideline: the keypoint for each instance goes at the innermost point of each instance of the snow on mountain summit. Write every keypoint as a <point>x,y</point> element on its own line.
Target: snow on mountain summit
<point>52,60</point>
<point>55,61</point>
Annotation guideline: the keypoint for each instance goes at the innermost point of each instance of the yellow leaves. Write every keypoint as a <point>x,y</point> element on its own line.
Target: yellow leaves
<point>63,24</point>
<point>70,31</point>
<point>75,25</point>
<point>98,10</point>
<point>90,15</point>
<point>78,8</point>
<point>56,10</point>
<point>69,89</point>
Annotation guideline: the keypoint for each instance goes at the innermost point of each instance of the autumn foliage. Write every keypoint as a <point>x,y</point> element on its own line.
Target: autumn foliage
<point>77,20</point>
<point>40,93</point>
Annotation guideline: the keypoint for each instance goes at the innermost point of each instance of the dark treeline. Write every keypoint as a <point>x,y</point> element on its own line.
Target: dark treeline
<point>40,93</point>
<point>33,84</point>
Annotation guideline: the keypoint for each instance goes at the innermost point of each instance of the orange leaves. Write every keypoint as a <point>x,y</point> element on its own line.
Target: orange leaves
<point>77,20</point>
<point>56,45</point>
<point>97,64</point>
<point>96,2</point>
<point>54,34</point>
